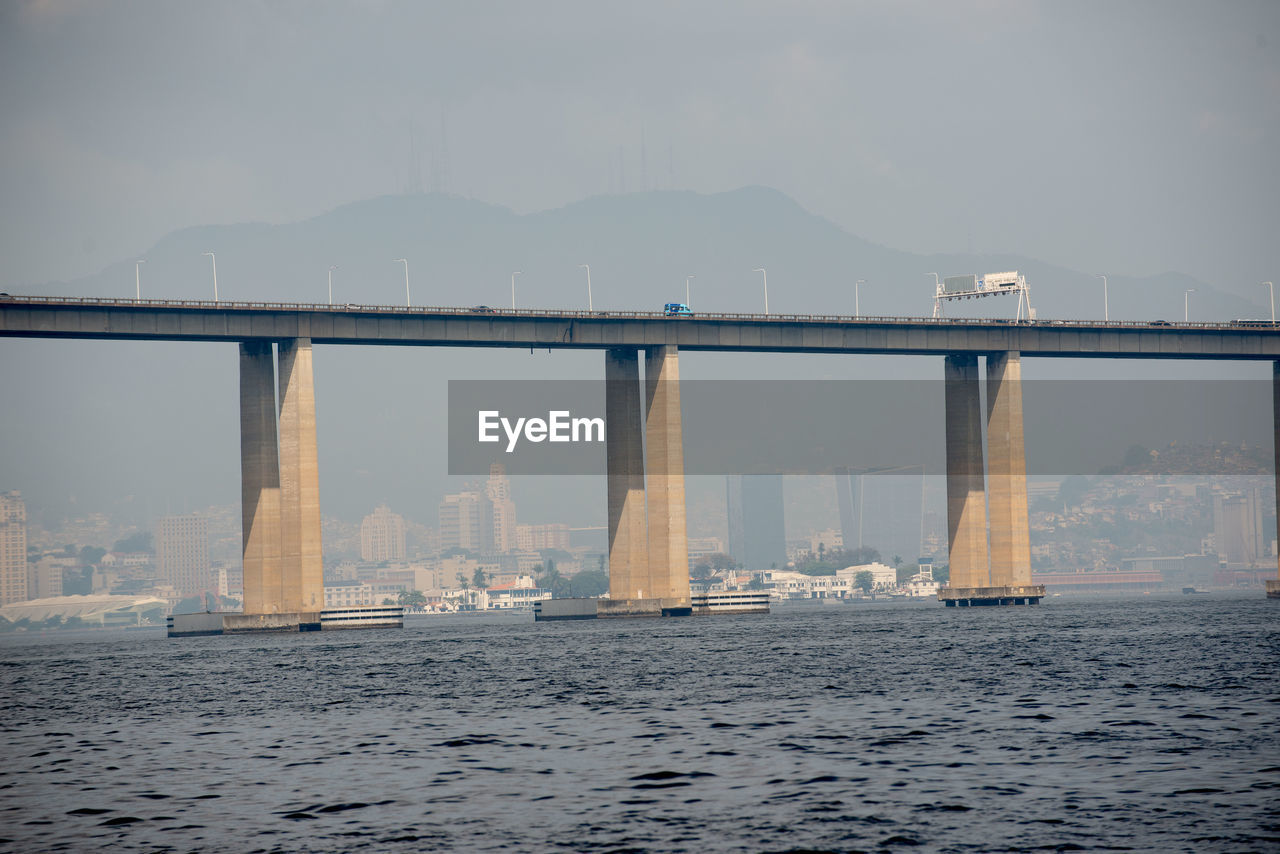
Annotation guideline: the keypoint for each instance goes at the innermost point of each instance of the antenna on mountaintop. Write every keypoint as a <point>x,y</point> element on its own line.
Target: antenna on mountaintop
<point>413,176</point>
<point>443,179</point>
<point>644,164</point>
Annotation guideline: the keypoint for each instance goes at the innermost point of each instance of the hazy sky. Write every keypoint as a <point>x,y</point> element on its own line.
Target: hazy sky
<point>1125,137</point>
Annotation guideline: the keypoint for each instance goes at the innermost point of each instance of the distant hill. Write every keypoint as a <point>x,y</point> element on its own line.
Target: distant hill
<point>640,247</point>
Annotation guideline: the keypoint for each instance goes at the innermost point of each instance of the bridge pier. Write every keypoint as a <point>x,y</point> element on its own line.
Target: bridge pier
<point>1002,574</point>
<point>624,450</point>
<point>280,483</point>
<point>648,544</point>
<point>664,481</point>
<point>302,566</point>
<point>1007,473</point>
<point>259,479</point>
<point>1273,586</point>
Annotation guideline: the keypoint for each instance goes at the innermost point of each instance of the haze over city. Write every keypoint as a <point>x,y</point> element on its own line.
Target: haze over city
<point>264,264</point>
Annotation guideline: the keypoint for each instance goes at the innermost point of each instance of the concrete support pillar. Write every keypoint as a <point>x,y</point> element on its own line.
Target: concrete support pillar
<point>1273,587</point>
<point>302,572</point>
<point>259,479</point>
<point>668,540</point>
<point>624,449</point>
<point>966,499</point>
<point>1007,472</point>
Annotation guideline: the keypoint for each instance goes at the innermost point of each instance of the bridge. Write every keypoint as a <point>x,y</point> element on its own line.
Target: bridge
<point>987,514</point>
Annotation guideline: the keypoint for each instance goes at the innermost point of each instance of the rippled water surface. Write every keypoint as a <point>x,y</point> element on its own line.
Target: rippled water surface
<point>1146,723</point>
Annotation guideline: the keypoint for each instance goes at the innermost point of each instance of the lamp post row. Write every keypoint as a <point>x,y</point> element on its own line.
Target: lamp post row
<point>857,307</point>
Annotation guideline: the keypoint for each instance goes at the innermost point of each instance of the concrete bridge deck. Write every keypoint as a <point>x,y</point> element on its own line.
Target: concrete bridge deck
<point>987,512</point>
<point>195,320</point>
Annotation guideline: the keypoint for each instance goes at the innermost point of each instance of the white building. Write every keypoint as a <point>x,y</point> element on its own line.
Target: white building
<point>343,594</point>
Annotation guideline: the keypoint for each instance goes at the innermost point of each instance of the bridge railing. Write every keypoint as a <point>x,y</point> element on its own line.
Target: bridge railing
<point>537,313</point>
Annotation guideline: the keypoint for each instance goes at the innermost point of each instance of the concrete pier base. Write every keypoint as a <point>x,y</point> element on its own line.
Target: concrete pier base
<point>734,602</point>
<point>1273,589</point>
<point>964,597</point>
<point>218,623</point>
<point>607,609</point>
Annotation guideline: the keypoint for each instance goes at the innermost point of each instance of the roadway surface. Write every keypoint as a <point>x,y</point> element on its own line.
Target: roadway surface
<point>195,320</point>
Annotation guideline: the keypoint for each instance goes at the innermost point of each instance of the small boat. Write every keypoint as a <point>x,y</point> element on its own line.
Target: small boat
<point>1190,590</point>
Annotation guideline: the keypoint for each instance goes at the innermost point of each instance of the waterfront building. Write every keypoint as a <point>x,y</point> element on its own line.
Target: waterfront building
<point>382,536</point>
<point>182,553</point>
<point>13,548</point>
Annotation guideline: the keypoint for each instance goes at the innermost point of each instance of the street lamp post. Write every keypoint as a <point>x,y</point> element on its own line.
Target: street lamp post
<point>765,276</point>
<point>513,288</point>
<point>857,310</point>
<point>587,267</point>
<point>137,278</point>
<point>214,259</point>
<point>1106,308</point>
<point>331,269</point>
<point>686,289</point>
<point>405,262</point>
<point>1186,305</point>
<point>1273,300</point>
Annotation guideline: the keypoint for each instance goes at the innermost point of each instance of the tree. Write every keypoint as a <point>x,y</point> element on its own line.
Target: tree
<point>90,555</point>
<point>942,574</point>
<point>549,577</point>
<point>756,583</point>
<point>701,570</point>
<point>478,580</point>
<point>906,571</point>
<point>590,582</point>
<point>864,580</point>
<point>77,580</point>
<point>411,599</point>
<point>140,541</point>
<point>388,601</point>
<point>189,605</point>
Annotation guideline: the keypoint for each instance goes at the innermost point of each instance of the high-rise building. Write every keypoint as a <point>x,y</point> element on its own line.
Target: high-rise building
<point>44,578</point>
<point>757,527</point>
<point>498,491</point>
<point>538,537</point>
<point>1237,528</point>
<point>466,522</point>
<point>13,548</point>
<point>182,554</point>
<point>382,536</point>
